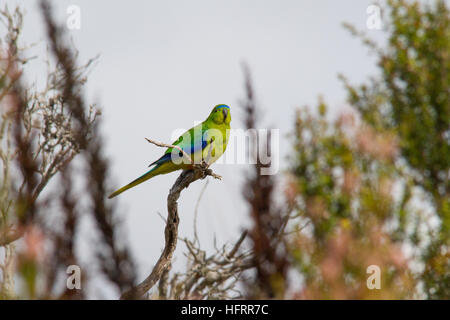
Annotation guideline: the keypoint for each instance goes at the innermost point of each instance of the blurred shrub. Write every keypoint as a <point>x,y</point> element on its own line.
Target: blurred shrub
<point>373,186</point>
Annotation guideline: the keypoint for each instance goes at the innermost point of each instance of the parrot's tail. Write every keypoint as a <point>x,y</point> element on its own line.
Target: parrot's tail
<point>150,174</point>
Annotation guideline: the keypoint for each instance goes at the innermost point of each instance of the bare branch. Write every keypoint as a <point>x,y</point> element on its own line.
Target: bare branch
<point>171,230</point>
<point>237,245</point>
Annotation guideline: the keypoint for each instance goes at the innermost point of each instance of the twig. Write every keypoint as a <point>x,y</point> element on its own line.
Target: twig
<point>161,216</point>
<point>196,211</point>
<point>237,245</point>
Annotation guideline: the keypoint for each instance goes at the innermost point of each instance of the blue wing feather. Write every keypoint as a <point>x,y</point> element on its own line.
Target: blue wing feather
<point>190,148</point>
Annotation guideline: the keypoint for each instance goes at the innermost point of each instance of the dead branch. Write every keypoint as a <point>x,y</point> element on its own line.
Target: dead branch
<point>237,245</point>
<point>171,231</point>
<point>211,276</point>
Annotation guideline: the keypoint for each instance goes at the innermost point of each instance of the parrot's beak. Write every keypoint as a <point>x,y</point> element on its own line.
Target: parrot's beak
<point>225,113</point>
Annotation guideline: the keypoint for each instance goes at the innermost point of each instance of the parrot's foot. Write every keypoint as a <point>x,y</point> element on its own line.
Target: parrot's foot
<point>204,170</point>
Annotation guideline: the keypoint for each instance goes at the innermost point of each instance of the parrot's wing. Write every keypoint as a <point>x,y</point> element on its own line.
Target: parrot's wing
<point>188,142</point>
<point>164,158</point>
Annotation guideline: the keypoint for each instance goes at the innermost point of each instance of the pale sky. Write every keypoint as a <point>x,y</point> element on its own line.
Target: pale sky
<point>163,66</point>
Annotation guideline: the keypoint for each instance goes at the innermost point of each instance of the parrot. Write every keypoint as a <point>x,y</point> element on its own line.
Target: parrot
<point>206,141</point>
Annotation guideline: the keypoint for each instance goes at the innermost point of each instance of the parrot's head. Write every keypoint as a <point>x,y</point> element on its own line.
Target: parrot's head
<point>220,114</point>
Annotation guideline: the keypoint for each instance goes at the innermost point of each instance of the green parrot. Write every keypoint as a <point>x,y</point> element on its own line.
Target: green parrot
<point>206,141</point>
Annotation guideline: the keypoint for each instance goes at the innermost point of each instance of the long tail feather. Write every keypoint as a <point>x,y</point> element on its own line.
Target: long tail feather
<point>144,177</point>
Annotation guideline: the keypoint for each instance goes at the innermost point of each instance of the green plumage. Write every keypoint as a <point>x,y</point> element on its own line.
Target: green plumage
<point>206,141</point>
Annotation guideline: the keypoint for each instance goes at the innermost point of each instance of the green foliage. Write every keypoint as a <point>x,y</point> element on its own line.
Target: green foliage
<point>388,167</point>
<point>343,176</point>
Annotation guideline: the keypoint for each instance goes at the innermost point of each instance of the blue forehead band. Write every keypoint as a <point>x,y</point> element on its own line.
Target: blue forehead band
<point>222,106</point>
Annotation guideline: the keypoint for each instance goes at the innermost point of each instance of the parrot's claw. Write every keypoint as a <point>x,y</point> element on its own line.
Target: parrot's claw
<point>204,169</point>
